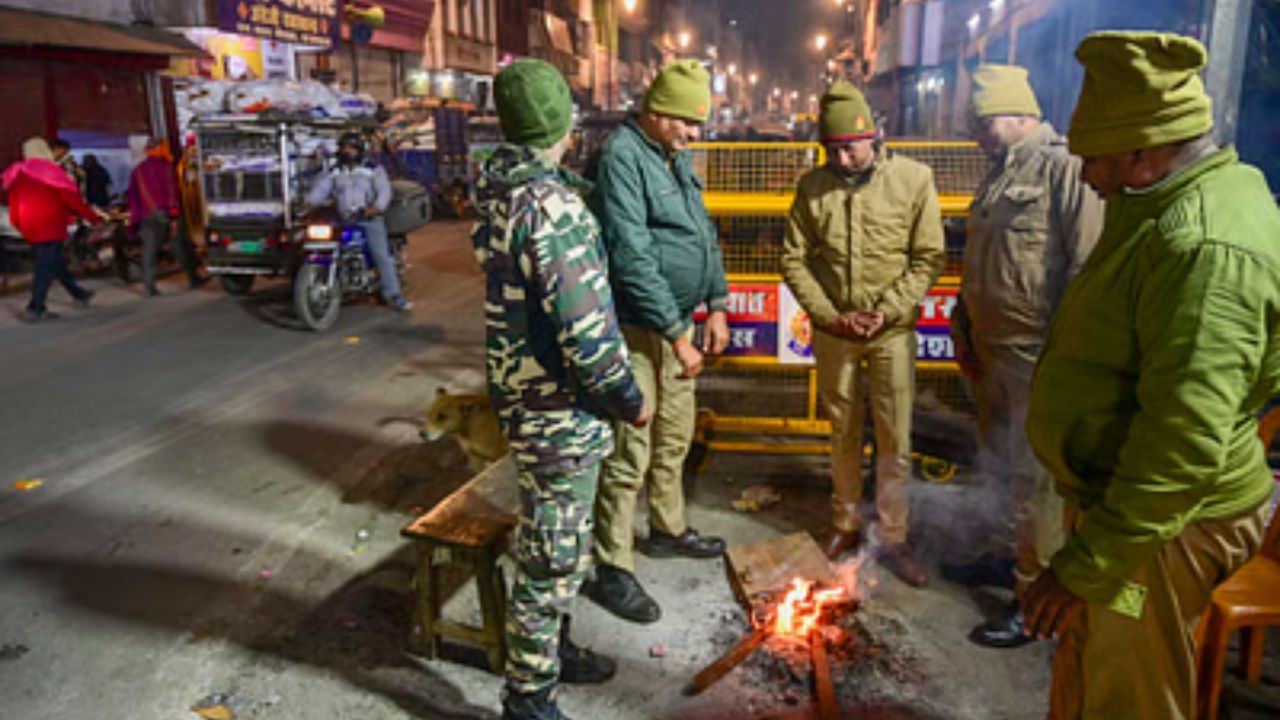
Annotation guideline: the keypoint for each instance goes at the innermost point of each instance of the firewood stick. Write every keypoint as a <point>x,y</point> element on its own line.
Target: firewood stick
<point>828,708</point>
<point>727,662</point>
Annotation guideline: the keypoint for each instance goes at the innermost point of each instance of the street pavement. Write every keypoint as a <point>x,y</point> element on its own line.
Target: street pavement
<point>218,512</point>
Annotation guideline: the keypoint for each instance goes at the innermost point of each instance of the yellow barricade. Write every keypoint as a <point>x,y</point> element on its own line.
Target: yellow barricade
<point>754,403</point>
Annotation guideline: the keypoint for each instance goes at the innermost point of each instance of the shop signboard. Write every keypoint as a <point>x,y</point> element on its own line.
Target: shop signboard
<point>304,22</point>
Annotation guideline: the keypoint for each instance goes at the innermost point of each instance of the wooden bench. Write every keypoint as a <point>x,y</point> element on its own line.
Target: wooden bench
<point>470,526</point>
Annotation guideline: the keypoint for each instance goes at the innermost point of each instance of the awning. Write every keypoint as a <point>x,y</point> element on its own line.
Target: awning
<point>24,28</point>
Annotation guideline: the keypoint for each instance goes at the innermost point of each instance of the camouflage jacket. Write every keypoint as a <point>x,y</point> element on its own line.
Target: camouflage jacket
<point>556,361</point>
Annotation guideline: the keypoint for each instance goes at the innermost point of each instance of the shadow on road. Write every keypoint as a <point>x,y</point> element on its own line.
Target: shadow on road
<point>358,632</point>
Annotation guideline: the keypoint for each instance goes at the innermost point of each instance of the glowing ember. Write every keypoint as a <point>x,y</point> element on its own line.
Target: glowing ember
<point>800,610</point>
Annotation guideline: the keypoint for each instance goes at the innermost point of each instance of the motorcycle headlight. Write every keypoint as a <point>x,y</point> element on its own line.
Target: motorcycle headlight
<point>320,232</point>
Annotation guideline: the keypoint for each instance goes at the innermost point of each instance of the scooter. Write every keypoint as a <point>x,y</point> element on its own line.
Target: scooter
<point>336,262</point>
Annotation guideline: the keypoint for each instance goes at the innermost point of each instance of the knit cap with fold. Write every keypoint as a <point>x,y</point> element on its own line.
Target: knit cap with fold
<point>1003,90</point>
<point>535,107</point>
<point>682,89</point>
<point>844,114</point>
<point>1141,90</point>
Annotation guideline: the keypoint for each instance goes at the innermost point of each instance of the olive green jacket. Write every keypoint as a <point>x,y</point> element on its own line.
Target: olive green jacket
<point>1164,349</point>
<point>867,242</point>
<point>1031,225</point>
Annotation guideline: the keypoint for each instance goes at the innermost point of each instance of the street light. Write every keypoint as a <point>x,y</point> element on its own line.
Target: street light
<point>685,39</point>
<point>777,92</point>
<point>733,68</point>
<point>753,78</point>
<point>629,5</point>
<point>820,41</point>
<point>795,94</point>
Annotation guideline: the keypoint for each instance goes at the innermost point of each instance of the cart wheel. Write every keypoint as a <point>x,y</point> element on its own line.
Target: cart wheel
<point>937,470</point>
<point>236,284</point>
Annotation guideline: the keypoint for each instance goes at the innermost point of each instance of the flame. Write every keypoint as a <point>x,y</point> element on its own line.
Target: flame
<point>800,610</point>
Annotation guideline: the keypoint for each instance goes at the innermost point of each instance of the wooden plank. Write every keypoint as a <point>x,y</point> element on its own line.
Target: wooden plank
<point>769,566</point>
<point>476,513</point>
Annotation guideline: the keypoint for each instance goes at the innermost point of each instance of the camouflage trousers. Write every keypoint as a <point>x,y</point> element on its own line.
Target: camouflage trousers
<point>553,554</point>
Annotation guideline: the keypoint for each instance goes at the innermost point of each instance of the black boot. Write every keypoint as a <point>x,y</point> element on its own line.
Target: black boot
<point>687,544</point>
<point>539,705</point>
<point>1006,631</point>
<point>618,591</point>
<point>579,665</point>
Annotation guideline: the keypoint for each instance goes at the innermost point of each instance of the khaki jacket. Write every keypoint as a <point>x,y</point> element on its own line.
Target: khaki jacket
<point>872,242</point>
<point>1031,225</point>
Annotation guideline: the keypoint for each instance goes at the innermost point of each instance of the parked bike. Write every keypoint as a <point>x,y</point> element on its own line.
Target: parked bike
<point>336,262</point>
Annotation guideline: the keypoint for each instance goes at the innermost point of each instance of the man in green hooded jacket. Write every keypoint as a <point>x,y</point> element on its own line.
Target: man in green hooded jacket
<point>863,244</point>
<point>1143,406</point>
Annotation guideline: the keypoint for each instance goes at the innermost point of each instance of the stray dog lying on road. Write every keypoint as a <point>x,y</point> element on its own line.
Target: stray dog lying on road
<point>472,420</point>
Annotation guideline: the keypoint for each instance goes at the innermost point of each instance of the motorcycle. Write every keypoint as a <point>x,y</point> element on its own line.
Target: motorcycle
<point>336,262</point>
<point>91,249</point>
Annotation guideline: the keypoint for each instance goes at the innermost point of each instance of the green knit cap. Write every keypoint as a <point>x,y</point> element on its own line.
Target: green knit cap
<point>682,89</point>
<point>534,104</point>
<point>1003,90</point>
<point>844,114</point>
<point>1141,89</point>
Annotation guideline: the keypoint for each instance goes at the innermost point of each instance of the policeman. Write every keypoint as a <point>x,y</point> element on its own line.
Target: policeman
<point>1164,349</point>
<point>1031,225</point>
<point>863,244</point>
<point>558,371</point>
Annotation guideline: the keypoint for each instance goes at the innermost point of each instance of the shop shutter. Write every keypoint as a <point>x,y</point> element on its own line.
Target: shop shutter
<point>25,110</point>
<point>102,98</point>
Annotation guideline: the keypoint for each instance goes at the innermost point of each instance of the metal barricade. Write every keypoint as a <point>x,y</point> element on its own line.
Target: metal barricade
<point>755,400</point>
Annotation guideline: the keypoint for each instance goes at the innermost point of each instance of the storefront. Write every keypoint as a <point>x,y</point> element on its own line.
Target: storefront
<point>94,84</point>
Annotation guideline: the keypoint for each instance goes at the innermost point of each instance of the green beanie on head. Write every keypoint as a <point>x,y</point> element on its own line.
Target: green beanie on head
<point>1141,89</point>
<point>534,104</point>
<point>682,89</point>
<point>844,114</point>
<point>1003,90</point>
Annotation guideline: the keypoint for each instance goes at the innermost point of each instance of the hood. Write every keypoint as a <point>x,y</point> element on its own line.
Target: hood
<point>508,168</point>
<point>45,172</point>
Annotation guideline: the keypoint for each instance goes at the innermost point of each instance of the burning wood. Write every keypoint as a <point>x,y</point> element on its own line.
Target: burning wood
<point>799,616</point>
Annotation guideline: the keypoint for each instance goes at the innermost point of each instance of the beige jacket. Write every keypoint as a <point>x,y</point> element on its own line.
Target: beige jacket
<point>872,242</point>
<point>1031,225</point>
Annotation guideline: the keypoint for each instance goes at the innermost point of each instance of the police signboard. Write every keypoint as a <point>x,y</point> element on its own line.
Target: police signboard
<point>305,22</point>
<point>752,311</point>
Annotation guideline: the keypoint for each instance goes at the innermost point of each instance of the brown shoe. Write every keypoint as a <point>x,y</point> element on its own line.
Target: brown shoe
<point>901,561</point>
<point>835,541</point>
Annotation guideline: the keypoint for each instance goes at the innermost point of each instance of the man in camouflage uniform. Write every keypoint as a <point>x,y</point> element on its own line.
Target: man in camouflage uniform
<point>1031,225</point>
<point>557,367</point>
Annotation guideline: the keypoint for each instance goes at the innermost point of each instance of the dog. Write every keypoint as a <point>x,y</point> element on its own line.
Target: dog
<point>469,418</point>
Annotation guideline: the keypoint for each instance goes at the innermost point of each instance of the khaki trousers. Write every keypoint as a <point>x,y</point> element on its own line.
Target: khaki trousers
<point>1110,666</point>
<point>1027,512</point>
<point>890,370</point>
<point>651,457</point>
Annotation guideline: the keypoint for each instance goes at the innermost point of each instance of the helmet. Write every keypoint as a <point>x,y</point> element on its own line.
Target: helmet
<point>353,140</point>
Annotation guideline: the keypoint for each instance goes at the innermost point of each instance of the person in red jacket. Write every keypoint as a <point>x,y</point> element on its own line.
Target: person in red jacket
<point>42,200</point>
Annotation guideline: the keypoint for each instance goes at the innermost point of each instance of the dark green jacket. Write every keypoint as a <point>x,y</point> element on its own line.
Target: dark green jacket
<point>664,257</point>
<point>1164,349</point>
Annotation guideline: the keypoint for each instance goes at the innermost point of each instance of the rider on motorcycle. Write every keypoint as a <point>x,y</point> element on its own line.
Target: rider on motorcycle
<point>361,194</point>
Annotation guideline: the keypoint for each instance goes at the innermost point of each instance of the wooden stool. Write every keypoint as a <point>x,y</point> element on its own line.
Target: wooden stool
<point>469,526</point>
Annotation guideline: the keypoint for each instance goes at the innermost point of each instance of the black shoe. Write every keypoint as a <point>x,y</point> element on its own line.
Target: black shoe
<point>579,665</point>
<point>538,705</point>
<point>618,591</point>
<point>1006,631</point>
<point>687,544</point>
<point>986,570</point>
<point>84,300</point>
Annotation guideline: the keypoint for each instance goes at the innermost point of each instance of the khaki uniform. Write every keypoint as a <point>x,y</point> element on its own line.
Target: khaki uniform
<point>871,242</point>
<point>1031,225</point>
